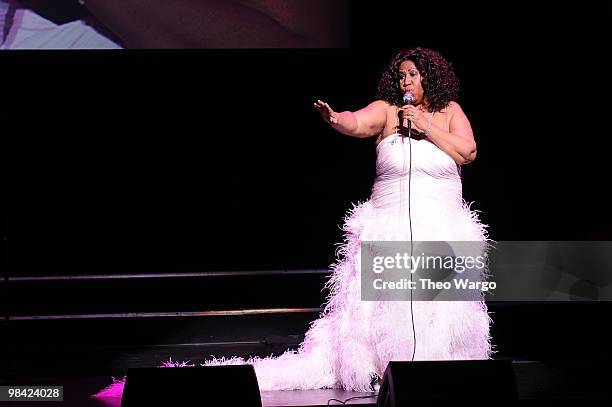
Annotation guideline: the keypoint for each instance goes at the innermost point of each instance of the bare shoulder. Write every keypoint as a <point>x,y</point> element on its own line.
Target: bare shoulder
<point>380,104</point>
<point>458,121</point>
<point>455,112</point>
<point>378,108</point>
<point>372,119</point>
<point>453,107</point>
<point>383,110</point>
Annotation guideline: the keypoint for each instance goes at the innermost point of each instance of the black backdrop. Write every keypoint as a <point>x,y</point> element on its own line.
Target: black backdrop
<point>179,160</point>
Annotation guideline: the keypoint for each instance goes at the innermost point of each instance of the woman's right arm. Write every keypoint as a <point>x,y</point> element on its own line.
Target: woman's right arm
<point>365,122</point>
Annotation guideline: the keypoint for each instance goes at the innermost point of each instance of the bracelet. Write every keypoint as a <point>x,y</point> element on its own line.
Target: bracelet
<point>428,126</point>
<point>81,2</point>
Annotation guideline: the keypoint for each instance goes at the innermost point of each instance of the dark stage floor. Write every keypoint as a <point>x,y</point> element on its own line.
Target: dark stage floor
<point>539,383</point>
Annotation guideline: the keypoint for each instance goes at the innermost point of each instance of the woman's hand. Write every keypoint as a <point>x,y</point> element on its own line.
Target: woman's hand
<point>416,116</point>
<point>327,113</point>
<point>366,122</point>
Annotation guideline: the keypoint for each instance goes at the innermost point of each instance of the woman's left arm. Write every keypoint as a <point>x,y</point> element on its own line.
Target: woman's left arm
<point>458,142</point>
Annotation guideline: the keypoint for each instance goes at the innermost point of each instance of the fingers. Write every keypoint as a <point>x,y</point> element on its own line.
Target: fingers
<point>322,106</point>
<point>326,111</point>
<point>409,111</point>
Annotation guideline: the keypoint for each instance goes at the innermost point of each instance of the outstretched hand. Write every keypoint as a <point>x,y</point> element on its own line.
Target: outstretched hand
<point>327,113</point>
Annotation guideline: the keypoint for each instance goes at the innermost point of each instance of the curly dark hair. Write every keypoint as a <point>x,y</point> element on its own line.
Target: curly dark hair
<point>440,84</point>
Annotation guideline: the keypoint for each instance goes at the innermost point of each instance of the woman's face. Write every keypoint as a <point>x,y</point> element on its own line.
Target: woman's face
<point>410,81</point>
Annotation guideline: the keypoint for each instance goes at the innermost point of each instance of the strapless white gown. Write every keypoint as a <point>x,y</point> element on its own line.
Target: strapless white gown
<point>352,338</point>
<point>355,338</point>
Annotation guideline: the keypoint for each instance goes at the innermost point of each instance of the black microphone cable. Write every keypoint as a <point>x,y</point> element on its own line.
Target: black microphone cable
<point>408,99</point>
<point>414,341</point>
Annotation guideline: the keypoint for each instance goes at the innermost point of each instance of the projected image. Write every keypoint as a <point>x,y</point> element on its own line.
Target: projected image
<point>113,24</point>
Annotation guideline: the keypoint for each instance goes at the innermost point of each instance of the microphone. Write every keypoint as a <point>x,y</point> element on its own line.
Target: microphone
<point>408,98</point>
